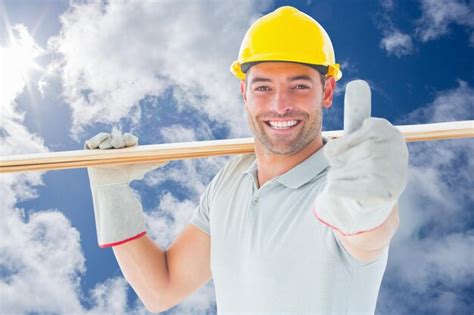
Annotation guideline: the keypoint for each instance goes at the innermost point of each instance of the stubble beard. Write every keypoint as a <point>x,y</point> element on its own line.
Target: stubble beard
<point>310,131</point>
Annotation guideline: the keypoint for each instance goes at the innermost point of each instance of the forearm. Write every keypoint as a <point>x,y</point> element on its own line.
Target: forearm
<point>120,222</point>
<point>144,265</point>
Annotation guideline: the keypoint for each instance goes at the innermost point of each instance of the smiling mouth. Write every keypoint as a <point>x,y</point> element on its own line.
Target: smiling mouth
<point>282,124</point>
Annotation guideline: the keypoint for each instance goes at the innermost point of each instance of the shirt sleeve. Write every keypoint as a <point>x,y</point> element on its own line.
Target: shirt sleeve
<point>201,213</point>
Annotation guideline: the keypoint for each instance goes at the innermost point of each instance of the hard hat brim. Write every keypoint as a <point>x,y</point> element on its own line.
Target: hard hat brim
<point>239,69</point>
<point>322,69</point>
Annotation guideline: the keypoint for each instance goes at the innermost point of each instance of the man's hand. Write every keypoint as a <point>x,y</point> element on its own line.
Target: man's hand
<point>123,174</point>
<point>368,173</point>
<point>118,212</point>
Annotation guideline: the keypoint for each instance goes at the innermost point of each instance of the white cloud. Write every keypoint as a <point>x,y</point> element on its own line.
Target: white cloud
<point>450,105</point>
<point>397,43</point>
<point>430,265</point>
<point>348,66</point>
<point>41,259</point>
<point>16,60</point>
<point>387,4</point>
<point>436,18</point>
<point>192,175</point>
<point>178,133</point>
<point>113,55</point>
<point>438,15</point>
<point>394,41</point>
<point>109,297</point>
<point>163,229</point>
<point>42,85</point>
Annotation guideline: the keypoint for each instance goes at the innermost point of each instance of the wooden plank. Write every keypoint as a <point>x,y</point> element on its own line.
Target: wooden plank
<point>198,149</point>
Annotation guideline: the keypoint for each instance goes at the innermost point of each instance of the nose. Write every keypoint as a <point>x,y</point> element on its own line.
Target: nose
<point>281,103</point>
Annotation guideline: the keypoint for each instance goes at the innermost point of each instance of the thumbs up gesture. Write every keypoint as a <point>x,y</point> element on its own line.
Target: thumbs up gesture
<point>367,168</point>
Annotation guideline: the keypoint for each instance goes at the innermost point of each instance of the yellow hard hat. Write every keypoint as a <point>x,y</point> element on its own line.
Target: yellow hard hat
<point>287,34</point>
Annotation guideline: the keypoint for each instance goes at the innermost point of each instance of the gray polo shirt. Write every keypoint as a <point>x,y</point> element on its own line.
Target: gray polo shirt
<point>269,252</point>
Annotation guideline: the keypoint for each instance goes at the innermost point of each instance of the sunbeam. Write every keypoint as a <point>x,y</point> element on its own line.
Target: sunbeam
<point>17,61</point>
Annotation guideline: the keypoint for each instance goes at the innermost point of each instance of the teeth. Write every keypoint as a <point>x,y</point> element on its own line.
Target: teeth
<point>283,124</point>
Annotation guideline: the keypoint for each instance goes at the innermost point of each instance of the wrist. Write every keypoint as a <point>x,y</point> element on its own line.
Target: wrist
<point>118,214</point>
<point>349,216</point>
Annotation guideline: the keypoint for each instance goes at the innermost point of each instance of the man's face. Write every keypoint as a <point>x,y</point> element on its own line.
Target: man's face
<point>284,105</point>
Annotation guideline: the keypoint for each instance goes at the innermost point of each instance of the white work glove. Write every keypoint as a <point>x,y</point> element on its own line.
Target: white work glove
<point>117,210</point>
<point>368,168</point>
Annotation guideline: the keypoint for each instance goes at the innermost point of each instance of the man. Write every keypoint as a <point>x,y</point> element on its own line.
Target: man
<point>300,226</point>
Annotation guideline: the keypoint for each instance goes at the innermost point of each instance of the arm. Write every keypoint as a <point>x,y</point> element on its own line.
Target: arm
<point>160,278</point>
<point>367,174</point>
<point>369,245</point>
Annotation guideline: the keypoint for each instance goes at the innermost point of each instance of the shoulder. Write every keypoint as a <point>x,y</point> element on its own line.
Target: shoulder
<point>239,163</point>
<point>234,168</point>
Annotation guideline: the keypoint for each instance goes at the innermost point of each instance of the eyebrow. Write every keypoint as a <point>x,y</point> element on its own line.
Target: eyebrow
<point>295,78</point>
<point>259,79</point>
<point>301,77</point>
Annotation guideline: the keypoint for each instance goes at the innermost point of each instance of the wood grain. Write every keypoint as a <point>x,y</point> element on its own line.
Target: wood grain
<point>200,149</point>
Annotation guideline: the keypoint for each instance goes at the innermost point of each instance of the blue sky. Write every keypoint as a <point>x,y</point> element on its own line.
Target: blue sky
<point>160,70</point>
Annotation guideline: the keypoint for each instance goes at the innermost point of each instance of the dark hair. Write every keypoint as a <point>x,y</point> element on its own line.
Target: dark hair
<point>323,80</point>
<point>322,70</point>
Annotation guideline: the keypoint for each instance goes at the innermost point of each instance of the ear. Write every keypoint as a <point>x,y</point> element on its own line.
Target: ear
<point>329,88</point>
<point>243,90</point>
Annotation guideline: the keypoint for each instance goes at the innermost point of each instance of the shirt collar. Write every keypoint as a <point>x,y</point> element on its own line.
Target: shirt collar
<point>252,169</point>
<point>301,173</point>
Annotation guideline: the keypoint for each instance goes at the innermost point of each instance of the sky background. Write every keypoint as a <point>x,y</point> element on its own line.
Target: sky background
<point>160,69</point>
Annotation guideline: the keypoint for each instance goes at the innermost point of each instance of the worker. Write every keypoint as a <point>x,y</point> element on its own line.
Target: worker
<point>303,226</point>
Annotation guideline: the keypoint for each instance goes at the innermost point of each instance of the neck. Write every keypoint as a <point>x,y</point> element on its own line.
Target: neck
<point>270,165</point>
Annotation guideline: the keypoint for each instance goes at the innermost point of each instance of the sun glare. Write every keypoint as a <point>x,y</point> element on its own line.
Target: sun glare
<point>17,60</point>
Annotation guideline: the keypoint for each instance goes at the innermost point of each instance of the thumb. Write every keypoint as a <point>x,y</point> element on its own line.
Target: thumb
<point>357,105</point>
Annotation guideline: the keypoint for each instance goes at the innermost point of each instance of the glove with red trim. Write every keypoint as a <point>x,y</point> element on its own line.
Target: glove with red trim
<point>117,210</point>
<point>368,168</point>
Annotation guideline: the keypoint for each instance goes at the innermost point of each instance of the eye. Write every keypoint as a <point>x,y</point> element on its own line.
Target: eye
<point>262,88</point>
<point>301,87</point>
